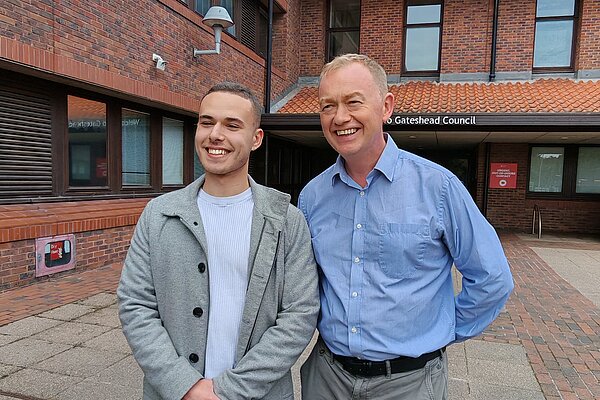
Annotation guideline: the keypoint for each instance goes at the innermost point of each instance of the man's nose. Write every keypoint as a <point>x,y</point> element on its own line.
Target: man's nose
<point>216,133</point>
<point>341,115</point>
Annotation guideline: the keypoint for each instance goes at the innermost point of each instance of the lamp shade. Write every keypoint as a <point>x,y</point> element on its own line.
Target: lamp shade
<point>217,16</point>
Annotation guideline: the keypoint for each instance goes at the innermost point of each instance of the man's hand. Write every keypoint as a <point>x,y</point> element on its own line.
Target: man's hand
<point>202,390</point>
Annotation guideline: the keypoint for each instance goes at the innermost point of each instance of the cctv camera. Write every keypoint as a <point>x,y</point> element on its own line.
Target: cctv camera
<point>160,63</point>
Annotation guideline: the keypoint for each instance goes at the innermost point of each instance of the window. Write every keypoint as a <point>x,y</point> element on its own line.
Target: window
<point>554,34</point>
<point>230,7</point>
<point>546,170</point>
<point>588,170</point>
<point>564,171</point>
<point>423,37</point>
<point>202,6</point>
<point>135,150</point>
<point>88,165</point>
<point>343,28</point>
<point>172,152</point>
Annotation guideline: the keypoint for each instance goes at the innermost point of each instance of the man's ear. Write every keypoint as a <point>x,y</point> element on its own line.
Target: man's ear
<point>257,138</point>
<point>388,106</point>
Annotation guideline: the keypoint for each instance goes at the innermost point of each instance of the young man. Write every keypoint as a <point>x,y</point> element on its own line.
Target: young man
<point>218,295</point>
<point>386,227</point>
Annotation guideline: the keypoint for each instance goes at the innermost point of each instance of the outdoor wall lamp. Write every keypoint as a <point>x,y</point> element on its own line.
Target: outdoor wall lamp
<point>217,18</point>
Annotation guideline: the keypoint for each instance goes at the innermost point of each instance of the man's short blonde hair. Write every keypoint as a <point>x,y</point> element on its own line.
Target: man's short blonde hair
<point>377,71</point>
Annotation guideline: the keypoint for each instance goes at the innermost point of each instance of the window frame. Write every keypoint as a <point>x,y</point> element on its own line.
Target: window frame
<point>574,39</point>
<point>410,3</point>
<point>569,178</point>
<point>329,30</point>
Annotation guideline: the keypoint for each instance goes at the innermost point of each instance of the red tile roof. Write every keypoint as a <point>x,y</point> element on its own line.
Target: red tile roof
<point>542,95</point>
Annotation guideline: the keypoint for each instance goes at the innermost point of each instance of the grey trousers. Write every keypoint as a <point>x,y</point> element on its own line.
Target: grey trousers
<point>323,378</point>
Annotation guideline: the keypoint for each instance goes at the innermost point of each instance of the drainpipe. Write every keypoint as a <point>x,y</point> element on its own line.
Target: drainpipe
<point>269,60</point>
<point>494,40</point>
<point>486,178</point>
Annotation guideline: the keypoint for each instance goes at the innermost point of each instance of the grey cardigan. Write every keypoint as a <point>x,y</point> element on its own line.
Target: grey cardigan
<point>164,300</point>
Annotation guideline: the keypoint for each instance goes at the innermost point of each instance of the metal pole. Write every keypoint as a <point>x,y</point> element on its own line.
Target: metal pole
<point>492,76</point>
<point>269,60</point>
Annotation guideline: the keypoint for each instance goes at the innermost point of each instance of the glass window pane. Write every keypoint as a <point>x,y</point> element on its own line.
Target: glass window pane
<point>555,8</point>
<point>172,152</point>
<point>424,14</point>
<point>546,172</point>
<point>553,40</point>
<point>343,43</point>
<point>198,168</point>
<point>88,164</point>
<point>228,5</point>
<point>135,148</point>
<point>344,14</point>
<point>422,48</point>
<point>202,6</point>
<point>588,170</point>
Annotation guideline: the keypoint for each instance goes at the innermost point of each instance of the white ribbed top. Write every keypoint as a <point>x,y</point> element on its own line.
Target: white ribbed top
<point>227,222</point>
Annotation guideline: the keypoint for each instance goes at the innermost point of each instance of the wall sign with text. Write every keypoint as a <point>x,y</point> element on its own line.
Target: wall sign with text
<point>503,176</point>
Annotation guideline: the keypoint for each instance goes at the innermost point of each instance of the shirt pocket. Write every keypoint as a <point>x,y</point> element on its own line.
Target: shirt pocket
<point>402,248</point>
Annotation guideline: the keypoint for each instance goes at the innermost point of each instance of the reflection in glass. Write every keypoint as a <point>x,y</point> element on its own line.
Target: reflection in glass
<point>344,14</point>
<point>228,5</point>
<point>202,6</point>
<point>553,40</point>
<point>424,14</point>
<point>135,140</point>
<point>88,165</point>
<point>588,170</point>
<point>172,152</point>
<point>343,43</point>
<point>422,46</point>
<point>546,171</point>
<point>555,8</point>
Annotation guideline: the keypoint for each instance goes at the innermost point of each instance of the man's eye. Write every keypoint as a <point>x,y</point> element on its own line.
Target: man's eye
<point>206,123</point>
<point>326,107</point>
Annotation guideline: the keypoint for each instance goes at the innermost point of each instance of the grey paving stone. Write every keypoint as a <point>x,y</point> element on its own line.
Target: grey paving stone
<point>113,340</point>
<point>124,373</point>
<point>458,389</point>
<point>481,350</point>
<point>90,389</point>
<point>80,361</point>
<point>26,352</point>
<point>457,362</point>
<point>502,373</point>
<point>99,300</point>
<point>105,316</point>
<point>36,383</point>
<point>7,370</point>
<point>28,326</point>
<point>482,391</point>
<point>6,339</point>
<point>72,333</point>
<point>68,312</point>
<point>8,398</point>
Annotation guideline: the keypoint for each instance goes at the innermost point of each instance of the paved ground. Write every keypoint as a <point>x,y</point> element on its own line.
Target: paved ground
<point>60,339</point>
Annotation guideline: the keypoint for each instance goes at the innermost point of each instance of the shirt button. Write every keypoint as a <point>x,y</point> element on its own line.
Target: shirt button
<point>358,226</point>
<point>194,358</point>
<point>197,312</point>
<point>353,330</point>
<point>356,259</point>
<point>201,267</point>
<point>362,193</point>
<point>354,294</point>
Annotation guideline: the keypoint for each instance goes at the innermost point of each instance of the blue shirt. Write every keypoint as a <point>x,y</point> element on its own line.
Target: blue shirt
<point>385,253</point>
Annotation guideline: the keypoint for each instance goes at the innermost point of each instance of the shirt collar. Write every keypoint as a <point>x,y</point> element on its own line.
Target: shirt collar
<point>386,163</point>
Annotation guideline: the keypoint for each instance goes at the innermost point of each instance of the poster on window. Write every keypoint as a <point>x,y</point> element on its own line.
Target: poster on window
<point>503,176</point>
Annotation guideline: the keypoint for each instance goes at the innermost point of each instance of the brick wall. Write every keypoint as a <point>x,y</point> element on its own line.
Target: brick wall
<point>312,37</point>
<point>93,249</point>
<point>516,27</point>
<point>511,209</point>
<point>110,43</point>
<point>466,36</point>
<point>381,33</point>
<point>589,42</point>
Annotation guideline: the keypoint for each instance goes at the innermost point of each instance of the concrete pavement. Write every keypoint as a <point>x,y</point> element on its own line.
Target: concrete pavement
<point>61,339</point>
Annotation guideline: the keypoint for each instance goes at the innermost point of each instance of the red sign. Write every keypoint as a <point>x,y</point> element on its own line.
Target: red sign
<point>503,176</point>
<point>56,250</point>
<point>101,168</point>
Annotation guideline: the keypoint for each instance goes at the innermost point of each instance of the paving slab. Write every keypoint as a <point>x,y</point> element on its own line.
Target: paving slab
<point>99,300</point>
<point>73,333</point>
<point>106,316</point>
<point>80,361</point>
<point>124,373</point>
<point>502,373</point>
<point>9,398</point>
<point>26,352</point>
<point>458,389</point>
<point>90,389</point>
<point>67,312</point>
<point>8,369</point>
<point>482,391</point>
<point>36,383</point>
<point>28,326</point>
<point>6,339</point>
<point>457,361</point>
<point>482,350</point>
<point>113,340</point>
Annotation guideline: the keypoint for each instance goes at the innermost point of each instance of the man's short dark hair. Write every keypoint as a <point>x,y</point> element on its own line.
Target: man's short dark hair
<point>242,91</point>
